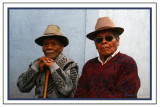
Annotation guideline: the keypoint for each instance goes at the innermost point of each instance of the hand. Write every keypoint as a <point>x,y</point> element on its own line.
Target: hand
<point>45,62</point>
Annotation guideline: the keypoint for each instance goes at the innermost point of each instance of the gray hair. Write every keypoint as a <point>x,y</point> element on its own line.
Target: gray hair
<point>116,34</point>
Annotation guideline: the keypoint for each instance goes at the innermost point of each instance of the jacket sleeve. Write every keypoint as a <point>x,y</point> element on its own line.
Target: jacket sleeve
<point>26,80</point>
<point>65,79</point>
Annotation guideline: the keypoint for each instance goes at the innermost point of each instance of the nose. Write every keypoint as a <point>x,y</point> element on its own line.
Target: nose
<point>104,41</point>
<point>49,46</point>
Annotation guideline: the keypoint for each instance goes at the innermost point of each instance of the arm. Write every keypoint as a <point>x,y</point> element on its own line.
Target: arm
<point>128,82</point>
<point>26,80</point>
<point>65,80</point>
<point>81,91</point>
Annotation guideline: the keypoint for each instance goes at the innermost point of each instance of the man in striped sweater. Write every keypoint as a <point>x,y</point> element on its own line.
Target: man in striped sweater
<point>63,71</point>
<point>112,74</point>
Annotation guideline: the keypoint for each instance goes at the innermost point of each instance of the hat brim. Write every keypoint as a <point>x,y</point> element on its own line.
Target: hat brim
<point>63,39</point>
<point>92,35</point>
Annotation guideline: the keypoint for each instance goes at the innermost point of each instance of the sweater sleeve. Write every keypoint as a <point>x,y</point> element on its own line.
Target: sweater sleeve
<point>65,79</point>
<point>81,91</point>
<point>26,80</point>
<point>128,82</point>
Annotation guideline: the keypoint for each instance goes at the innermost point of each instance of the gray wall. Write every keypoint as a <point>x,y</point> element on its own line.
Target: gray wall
<point>25,25</point>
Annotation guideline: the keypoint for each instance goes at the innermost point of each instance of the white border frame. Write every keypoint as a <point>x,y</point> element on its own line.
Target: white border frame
<point>80,5</point>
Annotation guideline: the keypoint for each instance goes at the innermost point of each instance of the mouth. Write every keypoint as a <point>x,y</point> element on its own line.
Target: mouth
<point>49,52</point>
<point>104,48</point>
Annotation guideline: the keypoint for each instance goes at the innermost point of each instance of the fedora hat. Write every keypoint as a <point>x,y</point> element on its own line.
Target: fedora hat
<point>52,31</point>
<point>104,23</point>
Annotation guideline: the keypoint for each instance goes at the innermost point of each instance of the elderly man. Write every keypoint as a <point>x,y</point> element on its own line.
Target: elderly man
<point>112,74</point>
<point>54,69</point>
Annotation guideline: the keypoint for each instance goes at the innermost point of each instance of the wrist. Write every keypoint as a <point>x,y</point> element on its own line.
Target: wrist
<point>53,67</point>
<point>35,66</point>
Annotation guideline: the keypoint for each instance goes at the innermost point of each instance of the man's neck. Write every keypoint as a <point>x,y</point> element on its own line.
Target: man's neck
<point>104,59</point>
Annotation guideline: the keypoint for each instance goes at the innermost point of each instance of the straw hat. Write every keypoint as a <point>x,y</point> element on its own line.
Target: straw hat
<point>53,31</point>
<point>104,23</point>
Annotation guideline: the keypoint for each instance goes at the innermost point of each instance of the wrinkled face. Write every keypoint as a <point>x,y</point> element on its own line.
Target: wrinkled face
<point>52,47</point>
<point>108,44</point>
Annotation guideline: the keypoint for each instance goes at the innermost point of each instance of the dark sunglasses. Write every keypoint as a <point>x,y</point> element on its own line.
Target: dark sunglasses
<point>100,39</point>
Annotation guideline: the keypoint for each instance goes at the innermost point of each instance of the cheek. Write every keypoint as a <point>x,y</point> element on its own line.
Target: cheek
<point>43,48</point>
<point>61,50</point>
<point>98,47</point>
<point>114,47</point>
<point>58,49</point>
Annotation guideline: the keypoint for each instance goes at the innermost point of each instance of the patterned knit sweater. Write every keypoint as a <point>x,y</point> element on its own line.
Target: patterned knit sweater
<point>62,81</point>
<point>118,78</point>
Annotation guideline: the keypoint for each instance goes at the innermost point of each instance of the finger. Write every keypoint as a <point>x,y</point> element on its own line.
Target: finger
<point>45,60</point>
<point>41,65</point>
<point>48,60</point>
<point>41,60</point>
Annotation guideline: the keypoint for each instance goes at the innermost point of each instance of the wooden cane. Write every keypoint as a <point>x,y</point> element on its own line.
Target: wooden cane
<point>46,84</point>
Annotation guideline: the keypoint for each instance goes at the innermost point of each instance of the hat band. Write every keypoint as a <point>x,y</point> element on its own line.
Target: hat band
<point>105,27</point>
<point>49,34</point>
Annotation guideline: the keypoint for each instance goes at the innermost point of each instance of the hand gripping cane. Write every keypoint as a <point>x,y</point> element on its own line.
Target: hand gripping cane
<point>46,84</point>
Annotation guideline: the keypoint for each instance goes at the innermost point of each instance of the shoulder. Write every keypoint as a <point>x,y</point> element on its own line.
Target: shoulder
<point>66,62</point>
<point>91,62</point>
<point>33,62</point>
<point>66,59</point>
<point>124,58</point>
<point>127,64</point>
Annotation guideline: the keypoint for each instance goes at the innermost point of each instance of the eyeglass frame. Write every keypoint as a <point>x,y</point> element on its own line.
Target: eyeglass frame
<point>107,39</point>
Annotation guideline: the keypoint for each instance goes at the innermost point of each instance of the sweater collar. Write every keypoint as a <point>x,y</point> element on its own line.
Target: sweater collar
<point>60,56</point>
<point>109,58</point>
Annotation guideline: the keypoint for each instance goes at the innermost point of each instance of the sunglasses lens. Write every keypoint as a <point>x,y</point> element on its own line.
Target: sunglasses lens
<point>108,38</point>
<point>98,40</point>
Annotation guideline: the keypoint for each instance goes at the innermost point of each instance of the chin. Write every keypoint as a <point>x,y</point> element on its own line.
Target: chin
<point>106,54</point>
<point>50,56</point>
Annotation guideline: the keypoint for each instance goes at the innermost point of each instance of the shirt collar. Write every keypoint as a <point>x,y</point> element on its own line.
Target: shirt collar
<point>109,58</point>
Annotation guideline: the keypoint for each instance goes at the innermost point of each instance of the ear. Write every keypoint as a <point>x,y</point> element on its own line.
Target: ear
<point>95,44</point>
<point>118,39</point>
<point>43,48</point>
<point>62,46</point>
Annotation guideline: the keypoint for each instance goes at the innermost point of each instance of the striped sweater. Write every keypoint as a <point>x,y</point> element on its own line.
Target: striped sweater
<point>62,79</point>
<point>118,78</point>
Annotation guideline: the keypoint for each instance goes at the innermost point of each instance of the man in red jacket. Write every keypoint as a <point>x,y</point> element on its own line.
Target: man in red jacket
<point>112,74</point>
